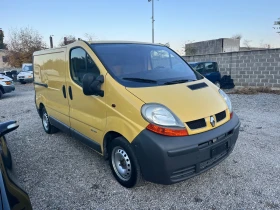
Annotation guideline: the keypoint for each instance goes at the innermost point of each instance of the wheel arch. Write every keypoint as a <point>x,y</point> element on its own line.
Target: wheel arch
<point>41,106</point>
<point>108,138</point>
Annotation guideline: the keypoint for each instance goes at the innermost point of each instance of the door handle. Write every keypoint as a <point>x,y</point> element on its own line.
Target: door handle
<point>64,91</point>
<point>70,92</point>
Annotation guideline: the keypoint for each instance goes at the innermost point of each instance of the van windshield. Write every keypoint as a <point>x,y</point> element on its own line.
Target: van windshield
<point>141,65</point>
<point>27,68</point>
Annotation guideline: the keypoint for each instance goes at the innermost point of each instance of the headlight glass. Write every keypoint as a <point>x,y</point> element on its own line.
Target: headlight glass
<point>160,115</point>
<point>227,100</point>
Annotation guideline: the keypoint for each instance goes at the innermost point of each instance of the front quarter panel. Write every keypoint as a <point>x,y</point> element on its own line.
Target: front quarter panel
<point>123,111</point>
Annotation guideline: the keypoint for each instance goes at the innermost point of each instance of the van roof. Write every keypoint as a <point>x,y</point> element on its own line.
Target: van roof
<point>93,42</point>
<point>120,42</point>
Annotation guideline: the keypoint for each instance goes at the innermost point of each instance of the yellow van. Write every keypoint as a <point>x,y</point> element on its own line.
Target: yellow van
<point>140,105</point>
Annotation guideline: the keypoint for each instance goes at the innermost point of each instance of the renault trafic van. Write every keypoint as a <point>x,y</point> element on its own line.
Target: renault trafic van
<point>140,105</point>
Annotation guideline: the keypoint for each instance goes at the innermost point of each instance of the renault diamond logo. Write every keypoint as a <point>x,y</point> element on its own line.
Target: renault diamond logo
<point>212,121</point>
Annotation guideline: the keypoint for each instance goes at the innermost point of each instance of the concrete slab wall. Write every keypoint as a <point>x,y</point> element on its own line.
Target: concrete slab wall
<point>247,68</point>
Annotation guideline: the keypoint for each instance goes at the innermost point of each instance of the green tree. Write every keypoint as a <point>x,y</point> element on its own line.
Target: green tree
<point>2,44</point>
<point>22,44</point>
<point>189,49</point>
<point>237,36</point>
<point>67,40</point>
<point>89,37</point>
<point>277,25</point>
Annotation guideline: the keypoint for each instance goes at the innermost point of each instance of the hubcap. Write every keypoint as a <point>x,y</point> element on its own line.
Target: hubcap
<point>46,121</point>
<point>121,163</point>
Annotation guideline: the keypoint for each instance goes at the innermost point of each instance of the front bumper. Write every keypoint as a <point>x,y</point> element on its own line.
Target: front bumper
<point>25,79</point>
<point>167,160</point>
<point>9,88</point>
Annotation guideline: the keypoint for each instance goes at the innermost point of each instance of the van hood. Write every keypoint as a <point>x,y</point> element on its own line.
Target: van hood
<point>186,103</point>
<point>4,78</point>
<point>25,73</point>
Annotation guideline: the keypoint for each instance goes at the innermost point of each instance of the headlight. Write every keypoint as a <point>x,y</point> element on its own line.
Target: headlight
<point>160,115</point>
<point>162,120</point>
<point>227,100</point>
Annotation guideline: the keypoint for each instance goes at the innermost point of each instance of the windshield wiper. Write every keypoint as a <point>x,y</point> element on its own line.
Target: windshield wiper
<point>178,81</point>
<point>140,80</point>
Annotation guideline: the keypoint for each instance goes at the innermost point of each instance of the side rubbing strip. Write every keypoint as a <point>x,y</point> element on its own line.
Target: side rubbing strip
<point>197,86</point>
<point>41,84</point>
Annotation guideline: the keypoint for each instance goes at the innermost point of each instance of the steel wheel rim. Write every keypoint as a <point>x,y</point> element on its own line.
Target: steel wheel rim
<point>46,121</point>
<point>121,163</point>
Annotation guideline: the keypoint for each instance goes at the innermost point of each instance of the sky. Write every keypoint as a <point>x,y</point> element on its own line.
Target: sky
<point>176,21</point>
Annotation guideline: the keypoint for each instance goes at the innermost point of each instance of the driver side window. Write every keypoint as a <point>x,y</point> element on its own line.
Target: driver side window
<point>80,64</point>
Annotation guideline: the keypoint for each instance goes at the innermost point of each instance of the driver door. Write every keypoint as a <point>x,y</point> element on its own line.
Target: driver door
<point>87,113</point>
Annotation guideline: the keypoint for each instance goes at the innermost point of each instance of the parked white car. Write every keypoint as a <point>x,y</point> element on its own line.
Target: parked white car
<point>6,85</point>
<point>26,74</point>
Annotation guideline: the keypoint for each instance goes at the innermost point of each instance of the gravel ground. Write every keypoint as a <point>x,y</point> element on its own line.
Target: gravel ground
<point>59,172</point>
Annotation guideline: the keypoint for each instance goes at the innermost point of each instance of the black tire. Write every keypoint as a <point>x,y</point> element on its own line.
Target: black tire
<point>118,145</point>
<point>22,82</point>
<point>1,94</point>
<point>50,129</point>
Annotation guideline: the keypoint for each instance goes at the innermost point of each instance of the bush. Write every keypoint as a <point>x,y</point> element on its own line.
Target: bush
<point>252,91</point>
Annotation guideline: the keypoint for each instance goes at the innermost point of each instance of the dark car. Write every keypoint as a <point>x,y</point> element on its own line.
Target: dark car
<point>12,196</point>
<point>210,70</point>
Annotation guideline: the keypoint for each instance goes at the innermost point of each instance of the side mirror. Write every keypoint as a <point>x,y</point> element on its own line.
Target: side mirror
<point>92,85</point>
<point>7,127</point>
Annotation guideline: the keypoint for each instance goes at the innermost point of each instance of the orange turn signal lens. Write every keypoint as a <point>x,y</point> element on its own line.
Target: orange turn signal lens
<point>231,114</point>
<point>8,83</point>
<point>167,131</point>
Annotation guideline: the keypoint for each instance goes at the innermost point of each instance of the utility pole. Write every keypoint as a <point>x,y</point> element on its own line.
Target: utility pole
<point>153,20</point>
<point>51,41</point>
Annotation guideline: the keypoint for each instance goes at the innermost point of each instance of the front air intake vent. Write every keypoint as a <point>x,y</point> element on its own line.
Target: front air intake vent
<point>197,86</point>
<point>196,124</point>
<point>183,173</point>
<point>220,116</point>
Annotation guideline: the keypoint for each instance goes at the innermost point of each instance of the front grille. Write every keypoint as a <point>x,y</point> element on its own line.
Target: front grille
<point>185,173</point>
<point>197,124</point>
<point>220,116</point>
<point>182,173</point>
<point>212,141</point>
<point>213,160</point>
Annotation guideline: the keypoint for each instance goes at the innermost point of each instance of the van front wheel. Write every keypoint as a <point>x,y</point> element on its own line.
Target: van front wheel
<point>123,163</point>
<point>46,123</point>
